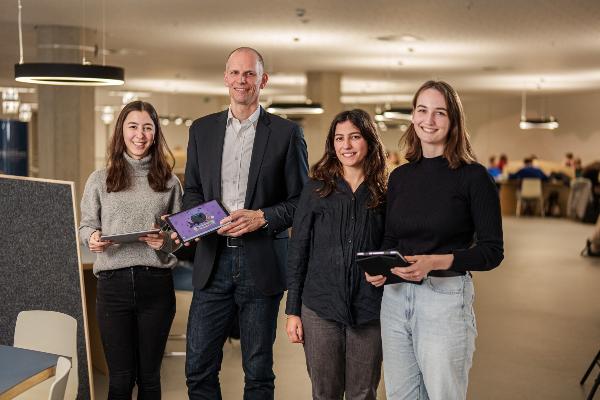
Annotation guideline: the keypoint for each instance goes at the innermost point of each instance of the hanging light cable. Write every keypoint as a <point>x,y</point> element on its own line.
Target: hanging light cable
<point>70,74</point>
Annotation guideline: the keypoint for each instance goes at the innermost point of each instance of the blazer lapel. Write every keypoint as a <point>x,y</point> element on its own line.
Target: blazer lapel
<point>263,131</point>
<point>215,153</point>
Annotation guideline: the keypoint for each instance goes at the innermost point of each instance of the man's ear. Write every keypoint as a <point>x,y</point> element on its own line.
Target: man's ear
<point>264,80</point>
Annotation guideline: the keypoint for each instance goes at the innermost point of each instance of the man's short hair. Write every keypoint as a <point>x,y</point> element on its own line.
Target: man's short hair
<point>250,49</point>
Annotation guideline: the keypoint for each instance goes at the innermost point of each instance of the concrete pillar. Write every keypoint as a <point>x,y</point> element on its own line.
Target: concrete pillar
<point>65,128</point>
<point>324,88</point>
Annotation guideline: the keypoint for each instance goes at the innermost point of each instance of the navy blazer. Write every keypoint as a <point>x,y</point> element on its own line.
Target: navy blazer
<point>278,171</point>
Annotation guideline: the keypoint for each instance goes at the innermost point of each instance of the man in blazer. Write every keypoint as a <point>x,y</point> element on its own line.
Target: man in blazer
<point>255,163</point>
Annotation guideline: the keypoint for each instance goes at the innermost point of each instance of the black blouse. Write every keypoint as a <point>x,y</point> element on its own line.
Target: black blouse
<point>326,235</point>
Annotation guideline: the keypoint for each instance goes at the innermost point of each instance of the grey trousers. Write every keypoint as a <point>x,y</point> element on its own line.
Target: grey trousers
<point>341,359</point>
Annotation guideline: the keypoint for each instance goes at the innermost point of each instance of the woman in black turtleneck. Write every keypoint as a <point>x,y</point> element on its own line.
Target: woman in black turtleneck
<point>443,214</point>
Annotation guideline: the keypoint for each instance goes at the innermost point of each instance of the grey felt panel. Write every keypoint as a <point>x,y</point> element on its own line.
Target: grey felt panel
<point>39,269</point>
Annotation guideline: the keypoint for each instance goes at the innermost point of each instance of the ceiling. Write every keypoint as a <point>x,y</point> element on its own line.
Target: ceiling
<point>180,45</point>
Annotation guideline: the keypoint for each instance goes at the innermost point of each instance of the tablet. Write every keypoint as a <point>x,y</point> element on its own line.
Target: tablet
<point>381,262</point>
<point>129,237</point>
<point>197,221</point>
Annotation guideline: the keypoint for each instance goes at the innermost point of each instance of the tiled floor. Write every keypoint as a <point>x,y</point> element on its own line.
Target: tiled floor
<point>538,318</point>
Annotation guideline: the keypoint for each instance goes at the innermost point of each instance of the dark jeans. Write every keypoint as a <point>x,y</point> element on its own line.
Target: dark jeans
<point>135,308</point>
<point>231,289</point>
<point>341,359</point>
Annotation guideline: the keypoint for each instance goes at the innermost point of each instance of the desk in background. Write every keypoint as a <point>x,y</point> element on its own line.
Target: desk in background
<point>89,281</point>
<point>21,369</point>
<point>508,196</point>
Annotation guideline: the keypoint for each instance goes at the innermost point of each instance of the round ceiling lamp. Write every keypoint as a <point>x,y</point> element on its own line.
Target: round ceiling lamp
<point>295,108</point>
<point>69,74</point>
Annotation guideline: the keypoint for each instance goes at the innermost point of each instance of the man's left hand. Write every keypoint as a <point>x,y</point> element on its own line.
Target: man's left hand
<point>241,222</point>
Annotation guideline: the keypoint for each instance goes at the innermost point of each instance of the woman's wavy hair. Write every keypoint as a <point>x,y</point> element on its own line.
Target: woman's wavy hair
<point>329,168</point>
<point>118,175</point>
<point>458,148</point>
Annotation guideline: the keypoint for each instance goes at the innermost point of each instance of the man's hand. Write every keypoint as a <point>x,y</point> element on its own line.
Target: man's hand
<point>174,236</point>
<point>241,222</point>
<point>97,245</point>
<point>294,329</point>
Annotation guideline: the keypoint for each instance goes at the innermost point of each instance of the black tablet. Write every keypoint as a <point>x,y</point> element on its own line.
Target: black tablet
<point>129,237</point>
<point>381,262</point>
<point>197,221</point>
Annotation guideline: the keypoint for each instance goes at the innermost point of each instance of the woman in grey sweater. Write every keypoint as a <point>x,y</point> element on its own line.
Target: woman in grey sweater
<point>135,298</point>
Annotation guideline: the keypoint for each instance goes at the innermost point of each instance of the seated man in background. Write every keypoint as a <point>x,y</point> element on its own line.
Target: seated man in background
<point>493,169</point>
<point>529,171</point>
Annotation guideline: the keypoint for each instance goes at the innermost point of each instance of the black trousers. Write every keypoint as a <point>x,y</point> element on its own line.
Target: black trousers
<point>135,308</point>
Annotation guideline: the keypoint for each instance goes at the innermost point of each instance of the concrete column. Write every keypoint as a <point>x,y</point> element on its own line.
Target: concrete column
<point>324,88</point>
<point>65,128</point>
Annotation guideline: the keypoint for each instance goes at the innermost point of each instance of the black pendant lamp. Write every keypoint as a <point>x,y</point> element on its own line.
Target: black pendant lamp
<point>69,74</point>
<point>66,74</point>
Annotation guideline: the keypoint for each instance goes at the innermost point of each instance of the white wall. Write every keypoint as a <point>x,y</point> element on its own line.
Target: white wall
<point>184,105</point>
<point>493,123</point>
<point>492,120</point>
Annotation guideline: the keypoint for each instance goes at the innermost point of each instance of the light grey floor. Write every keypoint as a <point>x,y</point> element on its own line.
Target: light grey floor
<point>538,318</point>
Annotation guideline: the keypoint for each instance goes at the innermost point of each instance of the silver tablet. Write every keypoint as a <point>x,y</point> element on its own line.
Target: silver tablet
<point>129,237</point>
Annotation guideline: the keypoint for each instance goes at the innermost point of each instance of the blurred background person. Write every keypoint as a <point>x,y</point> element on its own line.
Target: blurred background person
<point>529,171</point>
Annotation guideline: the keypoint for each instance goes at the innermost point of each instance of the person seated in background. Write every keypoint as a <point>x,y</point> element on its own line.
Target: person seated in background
<point>502,161</point>
<point>529,171</point>
<point>392,160</point>
<point>493,169</point>
<point>569,160</point>
<point>578,167</point>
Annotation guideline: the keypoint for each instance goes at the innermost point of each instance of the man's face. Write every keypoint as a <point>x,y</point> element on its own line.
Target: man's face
<point>244,77</point>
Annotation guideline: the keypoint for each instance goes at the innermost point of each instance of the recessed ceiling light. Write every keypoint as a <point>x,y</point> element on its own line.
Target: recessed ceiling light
<point>295,108</point>
<point>409,38</point>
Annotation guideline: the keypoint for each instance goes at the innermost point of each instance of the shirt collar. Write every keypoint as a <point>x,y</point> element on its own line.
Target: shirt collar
<point>253,117</point>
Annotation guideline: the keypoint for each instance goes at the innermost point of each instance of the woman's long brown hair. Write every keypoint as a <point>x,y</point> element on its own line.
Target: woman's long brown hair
<point>458,148</point>
<point>118,176</point>
<point>328,169</point>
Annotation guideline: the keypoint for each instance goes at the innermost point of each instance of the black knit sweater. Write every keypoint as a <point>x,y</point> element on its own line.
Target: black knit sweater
<point>432,209</point>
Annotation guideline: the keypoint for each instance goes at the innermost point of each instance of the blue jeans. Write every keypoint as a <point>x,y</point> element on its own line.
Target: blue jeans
<point>230,290</point>
<point>428,335</point>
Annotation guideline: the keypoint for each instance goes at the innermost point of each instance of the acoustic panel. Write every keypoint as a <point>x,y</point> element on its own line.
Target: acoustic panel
<point>39,260</point>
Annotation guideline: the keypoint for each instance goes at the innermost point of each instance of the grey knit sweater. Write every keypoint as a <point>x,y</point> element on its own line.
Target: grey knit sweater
<point>134,209</point>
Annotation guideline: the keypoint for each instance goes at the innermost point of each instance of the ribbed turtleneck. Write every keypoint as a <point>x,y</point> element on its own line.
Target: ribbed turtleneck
<point>138,167</point>
<point>133,209</point>
<point>433,209</point>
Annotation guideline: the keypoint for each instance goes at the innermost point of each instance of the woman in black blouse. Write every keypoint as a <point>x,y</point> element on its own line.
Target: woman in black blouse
<point>443,214</point>
<point>330,306</point>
